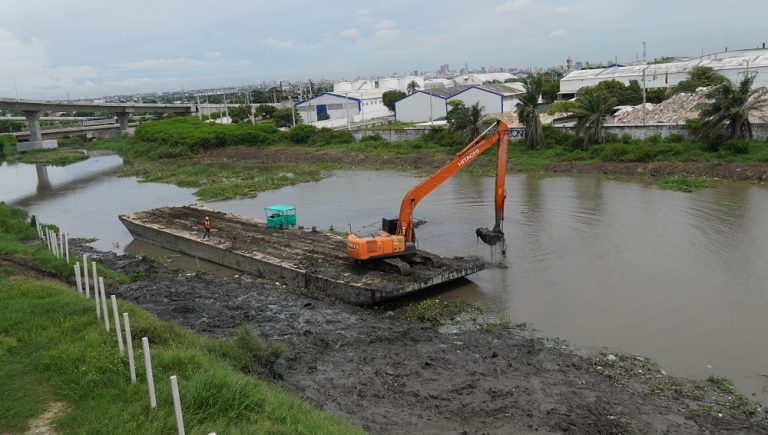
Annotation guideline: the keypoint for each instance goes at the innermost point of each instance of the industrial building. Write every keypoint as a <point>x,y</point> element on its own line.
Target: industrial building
<point>432,104</point>
<point>333,109</point>
<point>353,101</point>
<point>731,64</point>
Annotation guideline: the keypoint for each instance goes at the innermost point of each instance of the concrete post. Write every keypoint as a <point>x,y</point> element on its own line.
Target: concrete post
<point>33,118</point>
<point>123,117</point>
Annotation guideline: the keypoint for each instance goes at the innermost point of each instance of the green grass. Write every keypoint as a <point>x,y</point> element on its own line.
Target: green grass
<point>57,157</point>
<point>15,235</point>
<point>682,183</point>
<point>52,348</point>
<point>436,312</point>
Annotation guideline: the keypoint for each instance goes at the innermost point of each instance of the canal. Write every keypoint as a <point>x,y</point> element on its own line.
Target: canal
<point>678,277</point>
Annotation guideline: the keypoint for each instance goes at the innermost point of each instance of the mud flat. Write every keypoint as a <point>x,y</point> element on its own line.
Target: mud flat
<point>298,258</point>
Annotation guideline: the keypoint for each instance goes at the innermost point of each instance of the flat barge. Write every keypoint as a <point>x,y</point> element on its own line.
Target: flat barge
<point>296,257</point>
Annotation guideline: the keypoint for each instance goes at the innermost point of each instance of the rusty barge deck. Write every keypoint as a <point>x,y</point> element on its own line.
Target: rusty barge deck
<point>311,260</point>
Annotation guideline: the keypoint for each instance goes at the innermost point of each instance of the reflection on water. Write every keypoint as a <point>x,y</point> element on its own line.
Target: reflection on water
<point>675,276</point>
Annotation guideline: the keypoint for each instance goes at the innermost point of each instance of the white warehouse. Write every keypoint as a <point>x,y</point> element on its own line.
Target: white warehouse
<point>731,64</point>
<point>493,98</point>
<point>333,109</point>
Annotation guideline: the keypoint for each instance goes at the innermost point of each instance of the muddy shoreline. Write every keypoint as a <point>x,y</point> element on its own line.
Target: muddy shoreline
<point>390,376</point>
<point>428,160</point>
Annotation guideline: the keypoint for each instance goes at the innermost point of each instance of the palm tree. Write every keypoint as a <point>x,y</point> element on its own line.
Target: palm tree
<point>590,111</point>
<point>412,87</point>
<point>526,112</point>
<point>726,115</point>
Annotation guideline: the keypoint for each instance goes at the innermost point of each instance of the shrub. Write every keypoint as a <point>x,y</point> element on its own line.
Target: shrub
<point>301,133</point>
<point>7,145</point>
<point>736,146</point>
<point>654,139</point>
<point>193,134</point>
<point>442,137</point>
<point>372,138</point>
<point>323,116</point>
<point>626,138</point>
<point>326,136</point>
<point>557,136</point>
<point>675,138</point>
<point>609,137</point>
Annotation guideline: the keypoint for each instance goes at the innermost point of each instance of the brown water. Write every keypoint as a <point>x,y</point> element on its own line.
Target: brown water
<point>678,277</point>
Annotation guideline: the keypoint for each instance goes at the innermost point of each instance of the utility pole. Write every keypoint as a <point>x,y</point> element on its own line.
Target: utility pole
<point>430,108</point>
<point>346,105</point>
<point>645,110</point>
<point>644,51</point>
<point>199,113</point>
<point>293,112</point>
<point>226,109</point>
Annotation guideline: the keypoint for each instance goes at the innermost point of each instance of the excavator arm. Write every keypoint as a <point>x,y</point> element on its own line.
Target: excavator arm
<point>396,238</point>
<point>463,158</point>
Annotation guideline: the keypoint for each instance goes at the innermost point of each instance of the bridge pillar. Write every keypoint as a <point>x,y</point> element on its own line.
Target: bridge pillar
<point>33,118</point>
<point>122,118</point>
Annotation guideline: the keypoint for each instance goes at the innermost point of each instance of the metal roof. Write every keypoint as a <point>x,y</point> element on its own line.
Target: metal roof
<point>445,92</point>
<point>503,89</point>
<point>756,59</point>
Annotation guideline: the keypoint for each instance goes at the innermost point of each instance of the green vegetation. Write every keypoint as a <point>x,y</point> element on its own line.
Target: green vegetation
<point>57,157</point>
<point>52,349</point>
<point>286,117</point>
<point>7,146</point>
<point>726,116</point>
<point>700,77</point>
<point>15,230</point>
<point>592,107</point>
<point>240,113</point>
<point>436,312</point>
<point>715,396</point>
<point>391,125</point>
<point>193,134</point>
<point>682,183</point>
<point>389,98</point>
<point>528,115</point>
<point>8,126</point>
<point>464,120</point>
<point>412,87</point>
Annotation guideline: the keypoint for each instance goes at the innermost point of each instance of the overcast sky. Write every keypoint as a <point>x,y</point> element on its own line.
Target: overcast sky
<point>52,48</point>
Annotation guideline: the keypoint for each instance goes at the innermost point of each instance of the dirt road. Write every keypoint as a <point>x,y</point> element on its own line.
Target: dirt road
<point>393,377</point>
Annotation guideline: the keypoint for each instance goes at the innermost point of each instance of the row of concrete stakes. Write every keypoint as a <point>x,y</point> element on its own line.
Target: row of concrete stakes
<point>58,244</point>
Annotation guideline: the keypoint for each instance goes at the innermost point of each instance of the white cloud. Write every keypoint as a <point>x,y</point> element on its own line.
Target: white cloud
<point>25,68</point>
<point>387,33</point>
<point>513,5</point>
<point>530,8</point>
<point>280,44</point>
<point>349,33</point>
<point>214,54</point>
<point>158,64</point>
<point>557,34</point>
<point>386,24</point>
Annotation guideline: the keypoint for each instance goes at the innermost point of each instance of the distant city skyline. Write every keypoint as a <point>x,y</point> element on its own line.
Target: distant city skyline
<point>52,49</point>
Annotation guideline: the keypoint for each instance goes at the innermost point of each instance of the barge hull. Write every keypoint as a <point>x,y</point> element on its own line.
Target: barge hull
<point>312,261</point>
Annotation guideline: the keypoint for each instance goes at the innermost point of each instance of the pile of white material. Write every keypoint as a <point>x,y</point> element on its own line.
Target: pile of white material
<point>675,110</point>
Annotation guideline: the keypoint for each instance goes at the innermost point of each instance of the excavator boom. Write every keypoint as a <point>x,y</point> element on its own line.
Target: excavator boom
<point>395,237</point>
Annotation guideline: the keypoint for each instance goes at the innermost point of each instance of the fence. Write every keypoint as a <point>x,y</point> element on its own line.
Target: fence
<point>760,131</point>
<point>58,244</point>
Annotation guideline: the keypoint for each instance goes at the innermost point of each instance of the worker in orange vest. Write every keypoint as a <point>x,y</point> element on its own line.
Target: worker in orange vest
<point>207,227</point>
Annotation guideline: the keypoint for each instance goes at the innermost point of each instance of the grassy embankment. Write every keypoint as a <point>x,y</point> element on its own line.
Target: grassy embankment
<point>170,151</point>
<point>52,349</point>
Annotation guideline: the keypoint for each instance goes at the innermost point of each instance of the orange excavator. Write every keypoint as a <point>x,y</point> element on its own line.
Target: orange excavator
<point>395,244</point>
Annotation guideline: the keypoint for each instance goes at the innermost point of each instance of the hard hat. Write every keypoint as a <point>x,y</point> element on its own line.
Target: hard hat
<point>206,218</point>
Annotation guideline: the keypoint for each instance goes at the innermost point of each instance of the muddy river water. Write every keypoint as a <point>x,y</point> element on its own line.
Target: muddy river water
<point>679,277</point>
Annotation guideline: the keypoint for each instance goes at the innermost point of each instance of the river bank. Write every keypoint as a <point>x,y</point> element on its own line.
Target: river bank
<point>390,376</point>
<point>244,171</point>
